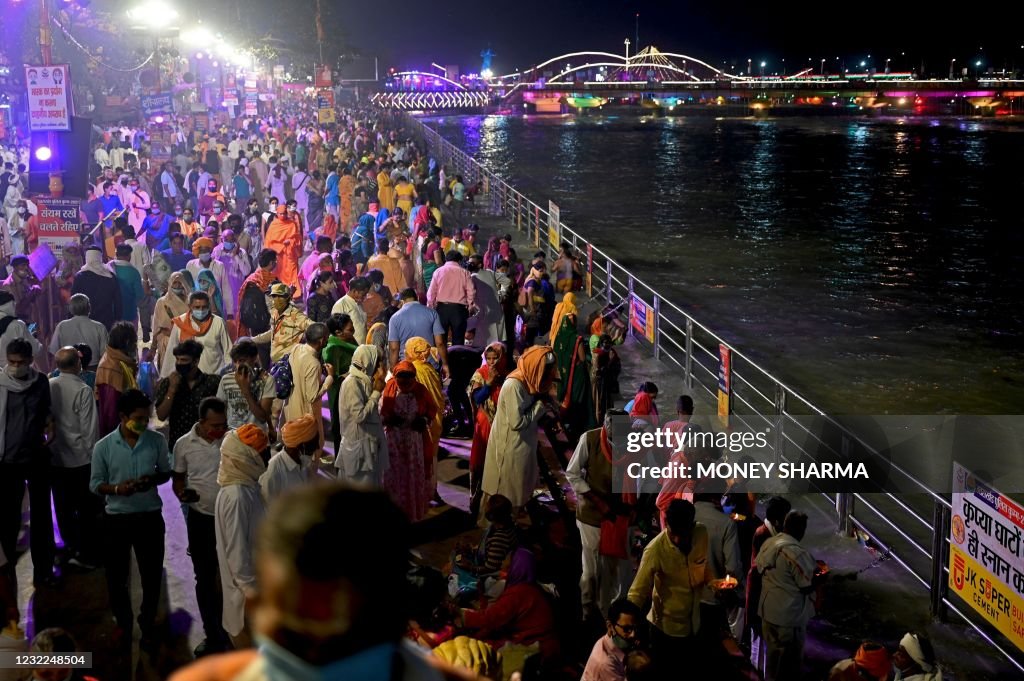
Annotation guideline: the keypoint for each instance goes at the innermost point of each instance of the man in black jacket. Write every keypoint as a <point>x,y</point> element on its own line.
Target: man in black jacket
<point>25,407</point>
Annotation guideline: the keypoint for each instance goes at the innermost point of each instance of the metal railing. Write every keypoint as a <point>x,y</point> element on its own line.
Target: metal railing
<point>911,528</point>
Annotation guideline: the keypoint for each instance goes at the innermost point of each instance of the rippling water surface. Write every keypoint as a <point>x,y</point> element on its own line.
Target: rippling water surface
<point>875,265</point>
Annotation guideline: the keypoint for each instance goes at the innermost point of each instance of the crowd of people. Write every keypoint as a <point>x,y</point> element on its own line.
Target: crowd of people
<point>283,302</point>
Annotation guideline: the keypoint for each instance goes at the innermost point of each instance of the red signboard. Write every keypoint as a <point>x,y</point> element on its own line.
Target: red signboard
<point>322,76</point>
<point>58,221</point>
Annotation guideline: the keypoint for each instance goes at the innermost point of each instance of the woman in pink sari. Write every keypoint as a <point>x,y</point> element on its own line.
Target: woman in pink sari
<point>484,387</point>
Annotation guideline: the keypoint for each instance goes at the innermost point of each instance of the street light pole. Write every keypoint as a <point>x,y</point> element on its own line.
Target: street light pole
<point>56,185</point>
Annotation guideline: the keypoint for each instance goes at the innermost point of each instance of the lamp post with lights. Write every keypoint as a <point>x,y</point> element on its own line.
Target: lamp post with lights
<point>155,18</point>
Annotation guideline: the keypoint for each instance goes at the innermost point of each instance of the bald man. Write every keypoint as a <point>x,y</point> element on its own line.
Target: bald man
<point>75,431</point>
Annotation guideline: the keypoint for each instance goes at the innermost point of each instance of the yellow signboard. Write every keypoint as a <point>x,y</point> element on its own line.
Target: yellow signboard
<point>985,553</point>
<point>554,226</point>
<point>325,116</point>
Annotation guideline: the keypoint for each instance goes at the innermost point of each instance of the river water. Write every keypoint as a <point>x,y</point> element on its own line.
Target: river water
<point>875,265</point>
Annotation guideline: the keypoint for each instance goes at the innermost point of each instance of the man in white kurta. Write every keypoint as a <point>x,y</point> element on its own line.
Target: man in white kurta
<point>237,513</point>
<point>213,337</point>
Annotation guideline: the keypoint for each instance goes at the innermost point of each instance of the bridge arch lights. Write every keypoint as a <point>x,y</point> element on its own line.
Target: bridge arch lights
<point>424,74</point>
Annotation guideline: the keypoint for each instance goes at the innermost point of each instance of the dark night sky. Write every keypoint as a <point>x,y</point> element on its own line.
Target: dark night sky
<point>411,33</point>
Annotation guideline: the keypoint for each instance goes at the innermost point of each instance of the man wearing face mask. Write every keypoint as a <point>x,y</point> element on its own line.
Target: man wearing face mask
<point>24,228</point>
<point>296,463</point>
<point>127,467</point>
<point>252,225</point>
<point>208,329</point>
<point>284,236</point>
<point>24,408</point>
<point>176,256</point>
<point>287,323</point>
<point>237,266</point>
<point>238,511</point>
<point>138,203</point>
<point>157,227</point>
<point>179,395</point>
<point>12,328</point>
<point>220,212</point>
<point>196,462</point>
<point>607,660</point>
<point>208,200</point>
<point>190,227</point>
<point>317,615</point>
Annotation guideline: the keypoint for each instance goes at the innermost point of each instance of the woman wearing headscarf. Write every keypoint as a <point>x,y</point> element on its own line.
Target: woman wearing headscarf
<point>521,615</point>
<point>433,256</point>
<point>566,308</point>
<point>493,253</point>
<point>341,345</point>
<point>575,395</point>
<point>510,466</point>
<point>117,372</point>
<point>484,387</point>
<point>418,351</point>
<point>362,239</point>
<point>363,454</point>
<point>207,283</point>
<point>406,409</point>
<point>642,406</point>
<point>237,515</point>
<point>172,304</point>
<point>98,283</point>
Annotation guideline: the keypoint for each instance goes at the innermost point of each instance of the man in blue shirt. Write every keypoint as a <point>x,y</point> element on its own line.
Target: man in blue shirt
<point>130,281</point>
<point>415,320</point>
<point>127,467</point>
<point>176,256</point>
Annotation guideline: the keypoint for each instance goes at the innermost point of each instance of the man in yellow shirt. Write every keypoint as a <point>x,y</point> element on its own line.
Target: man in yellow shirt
<point>671,577</point>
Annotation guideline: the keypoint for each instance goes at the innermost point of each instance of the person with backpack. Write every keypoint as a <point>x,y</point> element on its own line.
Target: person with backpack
<point>287,324</point>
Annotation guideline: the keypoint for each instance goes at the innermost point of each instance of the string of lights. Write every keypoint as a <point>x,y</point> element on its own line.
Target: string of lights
<point>83,48</point>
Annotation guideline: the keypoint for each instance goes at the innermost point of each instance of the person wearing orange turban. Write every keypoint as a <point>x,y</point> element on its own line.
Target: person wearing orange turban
<point>408,411</point>
<point>872,661</point>
<point>418,352</point>
<point>296,464</point>
<point>510,465</point>
<point>284,238</point>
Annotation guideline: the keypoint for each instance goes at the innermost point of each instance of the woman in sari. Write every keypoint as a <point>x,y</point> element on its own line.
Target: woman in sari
<point>642,406</point>
<point>385,191</point>
<point>564,309</point>
<point>406,409</point>
<point>433,257</point>
<point>492,254</point>
<point>484,387</point>
<point>607,368</point>
<point>207,283</point>
<point>172,304</point>
<point>346,187</point>
<point>117,372</point>
<point>574,390</point>
<point>417,351</point>
<point>315,196</point>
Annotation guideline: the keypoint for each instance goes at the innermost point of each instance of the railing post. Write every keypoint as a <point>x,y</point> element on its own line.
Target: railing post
<point>608,279</point>
<point>780,415</point>
<point>689,354</point>
<point>657,327</point>
<point>519,212</point>
<point>629,306</point>
<point>940,552</point>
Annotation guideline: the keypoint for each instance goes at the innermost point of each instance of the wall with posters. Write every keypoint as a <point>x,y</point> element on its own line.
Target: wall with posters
<point>986,553</point>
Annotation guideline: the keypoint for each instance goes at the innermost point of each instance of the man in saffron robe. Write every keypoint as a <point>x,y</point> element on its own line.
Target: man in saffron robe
<point>283,236</point>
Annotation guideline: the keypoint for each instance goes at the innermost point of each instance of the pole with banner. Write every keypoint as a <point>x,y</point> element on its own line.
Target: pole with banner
<point>724,384</point>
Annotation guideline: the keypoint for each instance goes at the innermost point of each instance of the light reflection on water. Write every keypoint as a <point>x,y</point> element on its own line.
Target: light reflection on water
<point>875,264</point>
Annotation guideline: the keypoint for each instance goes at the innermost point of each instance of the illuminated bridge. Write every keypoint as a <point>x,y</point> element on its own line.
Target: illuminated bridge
<point>667,80</point>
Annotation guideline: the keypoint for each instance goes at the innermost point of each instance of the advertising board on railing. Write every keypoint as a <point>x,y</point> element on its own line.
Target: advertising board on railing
<point>641,317</point>
<point>986,553</point>
<point>724,383</point>
<point>554,225</point>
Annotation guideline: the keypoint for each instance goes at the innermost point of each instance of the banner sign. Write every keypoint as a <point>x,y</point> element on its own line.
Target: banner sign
<point>554,225</point>
<point>641,317</point>
<point>251,104</point>
<point>986,553</point>
<point>724,383</point>
<point>49,97</point>
<point>322,76</point>
<point>161,104</point>
<point>58,222</point>
<point>325,104</point>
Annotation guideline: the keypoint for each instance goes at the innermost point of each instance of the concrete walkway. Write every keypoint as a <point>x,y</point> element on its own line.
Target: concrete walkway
<point>882,603</point>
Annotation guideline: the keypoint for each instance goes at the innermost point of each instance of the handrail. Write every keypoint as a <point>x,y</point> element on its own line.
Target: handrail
<point>527,215</point>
